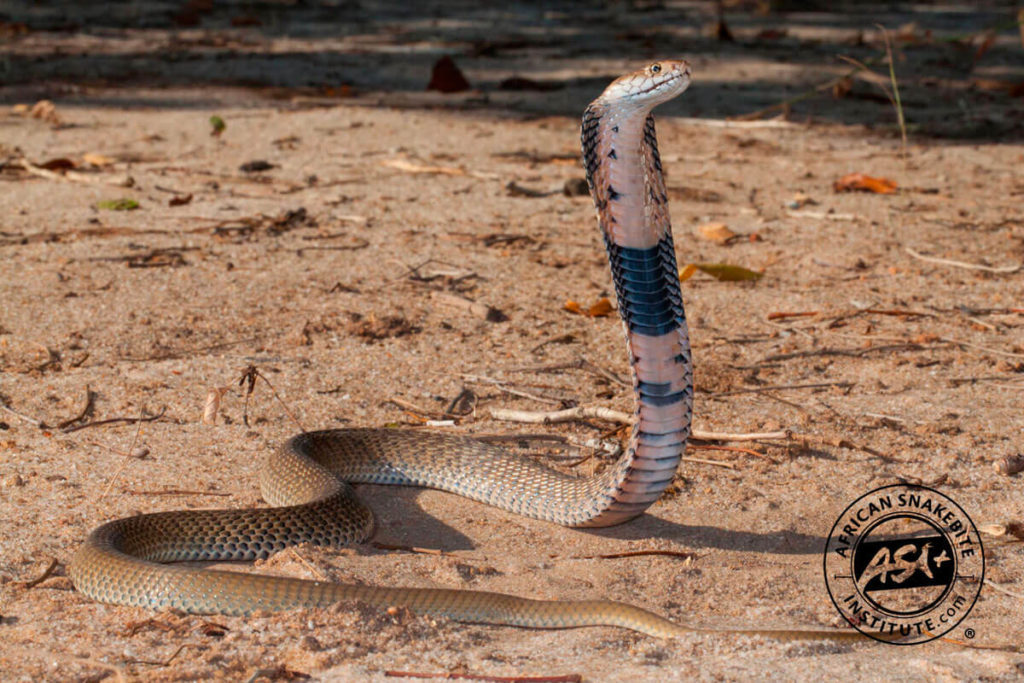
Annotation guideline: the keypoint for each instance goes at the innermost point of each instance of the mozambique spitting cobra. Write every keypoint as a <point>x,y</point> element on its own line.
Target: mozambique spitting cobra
<point>309,479</point>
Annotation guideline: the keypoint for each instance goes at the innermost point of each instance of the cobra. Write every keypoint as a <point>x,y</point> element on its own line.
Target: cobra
<point>309,480</point>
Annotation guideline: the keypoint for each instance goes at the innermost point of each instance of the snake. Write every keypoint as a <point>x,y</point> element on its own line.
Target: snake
<point>309,480</point>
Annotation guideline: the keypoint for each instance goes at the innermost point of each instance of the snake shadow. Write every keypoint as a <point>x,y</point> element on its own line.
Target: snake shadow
<point>401,520</point>
<point>697,536</point>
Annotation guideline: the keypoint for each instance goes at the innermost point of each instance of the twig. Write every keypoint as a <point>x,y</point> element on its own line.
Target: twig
<point>729,436</point>
<point>313,570</point>
<point>839,443</point>
<point>249,376</point>
<point>774,387</point>
<point>988,349</point>
<point>856,353</point>
<point>963,264</point>
<point>176,492</point>
<point>580,363</point>
<point>26,418</point>
<point>567,678</point>
<point>127,457</point>
<point>895,89</point>
<point>732,449</point>
<point>989,582</point>
<point>567,415</point>
<point>716,463</point>
<point>117,420</point>
<point>417,411</point>
<point>42,577</point>
<point>785,104</point>
<point>165,662</point>
<point>408,549</point>
<point>637,553</point>
<point>90,398</point>
<point>502,386</point>
<point>74,176</point>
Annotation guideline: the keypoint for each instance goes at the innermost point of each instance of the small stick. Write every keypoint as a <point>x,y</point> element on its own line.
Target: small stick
<point>26,418</point>
<point>990,582</point>
<point>29,585</point>
<point>416,410</point>
<point>509,390</point>
<point>981,348</point>
<point>567,415</point>
<point>580,363</point>
<point>249,376</point>
<point>702,461</point>
<point>176,492</point>
<point>408,548</point>
<point>963,264</point>
<point>116,420</point>
<point>567,678</point>
<point>774,387</point>
<point>313,570</point>
<point>729,436</point>
<point>165,662</point>
<point>637,553</point>
<point>90,398</point>
<point>732,449</point>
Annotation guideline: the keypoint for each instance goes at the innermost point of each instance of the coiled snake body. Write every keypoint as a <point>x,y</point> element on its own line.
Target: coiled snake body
<point>309,478</point>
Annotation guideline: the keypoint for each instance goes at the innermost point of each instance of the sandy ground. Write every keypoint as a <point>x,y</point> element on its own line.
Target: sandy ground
<point>352,302</point>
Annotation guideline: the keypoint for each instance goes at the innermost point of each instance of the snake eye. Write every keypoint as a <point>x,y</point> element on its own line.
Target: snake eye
<point>655,68</point>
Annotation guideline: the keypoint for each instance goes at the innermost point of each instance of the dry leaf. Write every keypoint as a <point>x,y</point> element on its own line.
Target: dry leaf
<point>59,164</point>
<point>97,159</point>
<point>721,271</point>
<point>446,77</point>
<point>865,183</point>
<point>687,272</point>
<point>212,406</point>
<point>409,167</point>
<point>600,309</point>
<point>46,111</point>
<point>719,233</point>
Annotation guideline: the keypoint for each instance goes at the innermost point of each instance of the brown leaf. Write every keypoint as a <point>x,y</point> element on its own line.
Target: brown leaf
<point>446,77</point>
<point>687,272</point>
<point>724,272</point>
<point>719,233</point>
<point>59,164</point>
<point>179,200</point>
<point>97,160</point>
<point>601,308</point>
<point>409,167</point>
<point>864,183</point>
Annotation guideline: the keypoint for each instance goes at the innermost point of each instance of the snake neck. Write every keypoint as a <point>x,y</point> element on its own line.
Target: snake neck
<point>626,181</point>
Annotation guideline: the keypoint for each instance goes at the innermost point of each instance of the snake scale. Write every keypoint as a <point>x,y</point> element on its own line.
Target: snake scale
<point>309,479</point>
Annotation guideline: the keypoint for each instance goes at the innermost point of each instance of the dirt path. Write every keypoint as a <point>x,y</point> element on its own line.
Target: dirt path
<point>339,271</point>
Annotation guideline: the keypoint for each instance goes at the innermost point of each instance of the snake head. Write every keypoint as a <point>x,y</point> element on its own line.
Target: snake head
<point>650,86</point>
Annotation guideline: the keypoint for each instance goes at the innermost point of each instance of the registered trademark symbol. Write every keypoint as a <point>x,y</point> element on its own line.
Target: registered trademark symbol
<point>969,633</point>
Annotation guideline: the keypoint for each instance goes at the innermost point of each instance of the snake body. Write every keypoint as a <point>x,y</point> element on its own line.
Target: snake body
<point>309,479</point>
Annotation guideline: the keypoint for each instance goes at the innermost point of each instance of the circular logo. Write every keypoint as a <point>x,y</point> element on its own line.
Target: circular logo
<point>904,564</point>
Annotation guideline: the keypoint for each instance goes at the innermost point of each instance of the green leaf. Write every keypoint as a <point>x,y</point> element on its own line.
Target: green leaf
<point>218,125</point>
<point>123,204</point>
